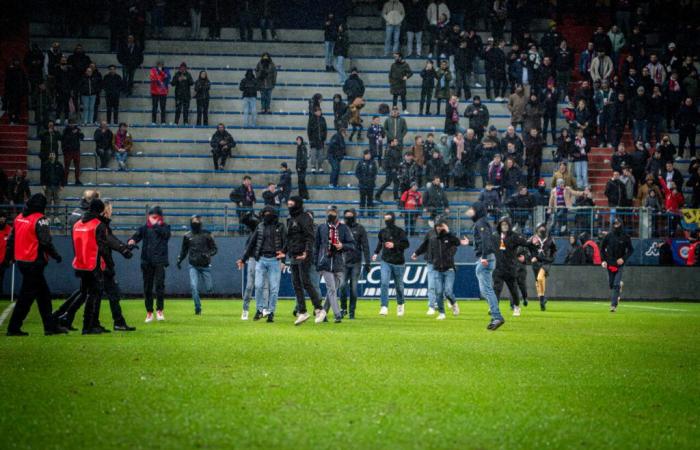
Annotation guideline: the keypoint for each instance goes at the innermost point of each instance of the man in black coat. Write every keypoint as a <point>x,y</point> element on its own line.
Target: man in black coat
<point>182,81</point>
<point>130,56</point>
<point>317,131</point>
<point>615,250</point>
<point>353,263</point>
<point>391,243</point>
<point>392,163</point>
<point>221,145</point>
<point>198,247</point>
<point>354,87</point>
<point>615,191</point>
<point>113,86</point>
<point>506,265</point>
<point>366,174</point>
<point>244,198</point>
<point>284,185</point>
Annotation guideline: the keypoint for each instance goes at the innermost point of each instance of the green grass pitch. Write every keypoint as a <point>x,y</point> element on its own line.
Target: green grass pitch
<point>575,376</point>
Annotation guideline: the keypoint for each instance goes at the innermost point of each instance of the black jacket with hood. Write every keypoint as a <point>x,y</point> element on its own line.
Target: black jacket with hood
<point>275,229</point>
<point>392,233</point>
<point>484,245</point>
<point>507,245</point>
<point>198,246</point>
<point>440,250</point>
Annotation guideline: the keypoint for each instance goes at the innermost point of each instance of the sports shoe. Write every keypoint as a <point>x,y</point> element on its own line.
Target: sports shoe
<point>383,311</point>
<point>399,311</point>
<point>149,317</point>
<point>271,317</point>
<point>265,312</point>
<point>525,302</point>
<point>495,324</point>
<point>431,311</point>
<point>244,315</point>
<point>455,309</point>
<point>499,99</point>
<point>516,311</point>
<point>301,318</point>
<point>406,111</point>
<point>477,85</point>
<point>338,319</point>
<point>123,327</point>
<point>258,315</point>
<point>17,333</point>
<point>159,315</point>
<point>320,315</point>
<point>441,316</point>
<point>613,308</point>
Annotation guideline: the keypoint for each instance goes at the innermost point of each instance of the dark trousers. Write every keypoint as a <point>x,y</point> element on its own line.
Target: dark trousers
<point>91,290</point>
<point>33,287</point>
<point>462,83</point>
<point>156,102</point>
<point>403,100</point>
<point>498,83</point>
<point>12,106</point>
<point>335,170</point>
<point>550,123</point>
<point>220,157</point>
<point>533,175</point>
<point>128,76</point>
<point>104,155</point>
<point>411,217</point>
<point>245,26</point>
<point>391,177</point>
<point>614,279</point>
<point>153,276</point>
<point>510,280</point>
<point>426,96</point>
<point>110,288</point>
<point>522,280</point>
<point>3,269</point>
<point>349,287</point>
<point>112,102</point>
<point>686,134</point>
<point>182,106</point>
<point>301,281</point>
<point>301,180</point>
<point>203,111</point>
<point>71,156</point>
<point>66,312</point>
<point>366,197</point>
<point>62,108</point>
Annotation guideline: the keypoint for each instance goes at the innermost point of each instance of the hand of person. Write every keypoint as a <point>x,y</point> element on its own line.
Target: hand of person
<point>131,243</point>
<point>414,257</point>
<point>464,241</point>
<point>484,262</point>
<point>338,245</point>
<point>127,254</point>
<point>604,265</point>
<point>533,260</point>
<point>521,258</point>
<point>301,257</point>
<point>374,258</point>
<point>240,264</point>
<point>620,261</point>
<point>389,245</point>
<point>279,254</point>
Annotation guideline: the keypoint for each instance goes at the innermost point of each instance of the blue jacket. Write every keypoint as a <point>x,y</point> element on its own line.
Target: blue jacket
<point>335,260</point>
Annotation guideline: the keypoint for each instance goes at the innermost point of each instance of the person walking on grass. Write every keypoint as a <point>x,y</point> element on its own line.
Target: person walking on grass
<point>251,221</point>
<point>506,264</point>
<point>353,263</point>
<point>155,235</point>
<point>392,242</point>
<point>615,250</point>
<point>542,256</point>
<point>198,247</point>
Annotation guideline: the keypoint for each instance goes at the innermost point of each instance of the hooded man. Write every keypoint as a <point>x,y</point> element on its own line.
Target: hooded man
<point>221,145</point>
<point>391,242</point>
<point>543,251</point>
<point>615,250</point>
<point>506,268</point>
<point>198,247</point>
<point>250,221</point>
<point>353,262</point>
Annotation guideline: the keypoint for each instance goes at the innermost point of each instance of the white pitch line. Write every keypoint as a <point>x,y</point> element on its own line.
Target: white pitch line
<point>6,312</point>
<point>656,308</point>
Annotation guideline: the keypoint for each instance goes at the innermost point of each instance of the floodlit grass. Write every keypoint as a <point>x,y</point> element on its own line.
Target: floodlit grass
<point>576,376</point>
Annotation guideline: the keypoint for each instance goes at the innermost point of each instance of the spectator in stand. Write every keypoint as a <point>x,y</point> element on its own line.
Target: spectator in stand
<point>393,14</point>
<point>442,40</point>
<point>694,184</point>
<point>42,103</point>
<point>585,60</point>
<point>317,131</point>
<point>565,146</point>
<point>615,191</point>
<point>354,86</point>
<point>18,191</point>
<point>602,67</point>
<point>655,163</point>
<point>355,119</point>
<point>564,173</point>
<point>541,195</point>
<point>617,43</point>
<point>437,13</point>
<point>687,127</point>
<point>534,145</point>
<point>452,116</point>
<point>52,182</point>
<point>512,176</point>
<point>98,81</point>
<point>435,201</point>
<point>646,188</point>
<point>122,145</point>
<point>399,72</point>
<point>284,185</point>
<point>414,26</point>
<point>196,8</point>
<point>182,81</point>
<point>672,102</point>
<point>532,114</point>
<point>516,106</point>
<point>462,67</point>
<point>521,205</point>
<point>478,115</point>
<point>671,174</point>
<point>89,89</point>
<point>620,159</point>
<point>638,161</point>
<point>496,170</point>
<point>201,94</point>
<point>409,172</point>
<point>340,113</point>
<point>366,174</point>
<point>271,196</point>
<point>246,19</point>
<point>617,118</point>
<point>549,101</point>
<point>435,167</point>
<point>266,76</point>
<point>244,198</point>
<point>628,180</point>
<point>70,144</point>
<point>130,56</point>
<point>495,69</point>
<point>442,86</point>
<point>336,154</point>
<point>113,86</point>
<point>639,113</point>
<point>103,145</point>
<point>340,51</point>
<point>395,127</point>
<point>50,139</point>
<point>392,162</point>
<point>580,159</point>
<point>656,70</point>
<point>657,111</point>
<point>490,197</point>
<point>249,88</point>
<point>268,15</point>
<point>302,162</point>
<point>330,33</point>
<point>674,201</point>
<point>564,64</point>
<point>486,152</point>
<point>160,80</point>
<point>560,200</point>
<point>411,204</point>
<point>428,76</point>
<point>63,91</point>
<point>602,102</point>
<point>222,143</point>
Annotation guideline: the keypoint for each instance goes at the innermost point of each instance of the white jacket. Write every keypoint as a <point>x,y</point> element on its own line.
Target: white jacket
<point>393,12</point>
<point>601,68</point>
<point>434,12</point>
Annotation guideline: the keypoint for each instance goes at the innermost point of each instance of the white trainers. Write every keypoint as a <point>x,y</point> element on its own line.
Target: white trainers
<point>301,318</point>
<point>407,112</point>
<point>499,99</point>
<point>441,316</point>
<point>399,310</point>
<point>455,309</point>
<point>431,311</point>
<point>516,311</point>
<point>159,315</point>
<point>478,85</point>
<point>244,315</point>
<point>149,317</point>
<point>266,312</point>
<point>383,311</point>
<point>320,315</point>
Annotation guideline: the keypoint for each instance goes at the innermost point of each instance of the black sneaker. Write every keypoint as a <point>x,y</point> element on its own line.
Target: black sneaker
<point>343,313</point>
<point>123,327</point>
<point>56,330</point>
<point>104,330</point>
<point>351,316</point>
<point>271,317</point>
<point>495,324</point>
<point>17,333</point>
<point>63,322</point>
<point>93,331</point>
<point>258,315</point>
<point>338,319</point>
<point>525,302</point>
<point>198,312</point>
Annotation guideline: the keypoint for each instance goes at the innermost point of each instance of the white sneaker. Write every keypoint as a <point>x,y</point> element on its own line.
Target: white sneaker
<point>499,99</point>
<point>149,317</point>
<point>320,315</point>
<point>160,316</point>
<point>431,311</point>
<point>383,311</point>
<point>516,311</point>
<point>244,315</point>
<point>301,318</point>
<point>407,112</point>
<point>455,309</point>
<point>441,316</point>
<point>399,310</point>
<point>266,312</point>
<point>477,85</point>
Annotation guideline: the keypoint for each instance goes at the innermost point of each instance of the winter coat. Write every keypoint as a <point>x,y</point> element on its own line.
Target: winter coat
<point>360,252</point>
<point>103,139</point>
<point>408,173</point>
<point>317,131</point>
<point>328,258</point>
<point>442,84</point>
<point>395,127</point>
<point>602,68</point>
<point>392,159</point>
<point>302,158</point>
<point>397,236</point>
<point>160,80</point>
<point>366,173</point>
<point>428,79</point>
<point>495,63</point>
<point>533,150</point>
<point>130,57</point>
<point>353,86</point>
<point>112,85</point>
<point>266,75</point>
<point>300,235</point>
<point>278,232</point>
<point>182,83</point>
<point>198,247</point>
<point>154,249</point>
<point>616,245</point>
<point>569,197</point>
<point>615,193</point>
<point>478,116</point>
<point>49,143</point>
<point>532,116</point>
<point>249,87</point>
<point>399,70</point>
<point>52,174</point>
<point>484,245</point>
<point>342,45</point>
<point>336,147</point>
<point>516,106</point>
<point>219,136</point>
<point>441,249</point>
<point>90,85</point>
<point>435,199</point>
<point>70,141</point>
<point>201,89</point>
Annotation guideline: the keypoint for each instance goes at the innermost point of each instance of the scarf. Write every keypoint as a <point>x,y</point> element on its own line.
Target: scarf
<point>119,139</point>
<point>455,114</point>
<point>332,237</point>
<point>460,147</point>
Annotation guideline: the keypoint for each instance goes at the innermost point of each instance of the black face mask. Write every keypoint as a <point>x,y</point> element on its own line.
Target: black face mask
<point>196,226</point>
<point>617,230</point>
<point>269,218</point>
<point>442,232</point>
<point>331,218</point>
<point>349,220</point>
<point>294,210</point>
<point>542,234</point>
<point>389,222</point>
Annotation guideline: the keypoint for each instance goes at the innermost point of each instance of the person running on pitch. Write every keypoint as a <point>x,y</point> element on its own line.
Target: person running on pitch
<point>392,242</point>
<point>485,250</point>
<point>521,272</point>
<point>615,249</point>
<point>506,262</point>
<point>198,247</point>
<point>442,247</point>
<point>543,252</point>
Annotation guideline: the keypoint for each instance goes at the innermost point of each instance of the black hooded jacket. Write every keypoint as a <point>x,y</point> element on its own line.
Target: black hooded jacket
<point>507,247</point>
<point>300,232</point>
<point>484,244</point>
<point>272,235</point>
<point>154,249</point>
<point>616,244</point>
<point>392,233</point>
<point>199,245</point>
<point>440,250</point>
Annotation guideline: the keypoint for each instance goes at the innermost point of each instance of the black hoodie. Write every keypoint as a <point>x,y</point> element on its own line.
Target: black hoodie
<point>440,250</point>
<point>300,232</point>
<point>394,234</point>
<point>484,245</point>
<point>508,244</point>
<point>249,85</point>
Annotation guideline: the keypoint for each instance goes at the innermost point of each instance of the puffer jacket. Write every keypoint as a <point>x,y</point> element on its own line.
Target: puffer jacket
<point>330,259</point>
<point>198,247</point>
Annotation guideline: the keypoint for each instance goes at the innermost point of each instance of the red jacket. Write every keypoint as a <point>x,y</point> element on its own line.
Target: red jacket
<point>160,79</point>
<point>674,202</point>
<point>411,200</point>
<point>4,235</point>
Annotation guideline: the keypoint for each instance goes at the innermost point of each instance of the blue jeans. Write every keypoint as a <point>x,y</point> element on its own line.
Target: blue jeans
<point>335,170</point>
<point>250,284</point>
<point>265,99</point>
<point>250,114</point>
<point>340,68</point>
<point>328,47</point>
<point>388,272</point>
<point>393,33</point>
<point>121,158</point>
<point>443,282</point>
<point>484,276</point>
<point>639,130</point>
<point>581,173</point>
<point>198,274</point>
<point>267,270</point>
<point>431,286</point>
<point>88,102</point>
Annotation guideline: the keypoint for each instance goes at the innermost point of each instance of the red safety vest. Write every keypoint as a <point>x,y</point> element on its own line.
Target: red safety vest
<point>691,253</point>
<point>597,260</point>
<point>4,235</point>
<point>26,241</point>
<point>85,246</point>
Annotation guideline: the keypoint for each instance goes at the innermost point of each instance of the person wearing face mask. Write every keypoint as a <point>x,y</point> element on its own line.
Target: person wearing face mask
<point>266,245</point>
<point>441,246</point>
<point>155,235</point>
<point>222,143</point>
<point>198,247</point>
<point>506,269</point>
<point>615,250</point>
<point>353,263</point>
<point>333,240</point>
<point>391,242</point>
<point>300,249</point>
<point>542,252</point>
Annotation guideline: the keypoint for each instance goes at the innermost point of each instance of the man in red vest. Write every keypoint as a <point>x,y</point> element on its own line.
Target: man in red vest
<point>5,230</point>
<point>30,246</point>
<point>90,246</point>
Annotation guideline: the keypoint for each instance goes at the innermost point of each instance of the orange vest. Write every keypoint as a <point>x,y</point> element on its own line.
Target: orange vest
<point>4,235</point>
<point>26,241</point>
<point>85,246</point>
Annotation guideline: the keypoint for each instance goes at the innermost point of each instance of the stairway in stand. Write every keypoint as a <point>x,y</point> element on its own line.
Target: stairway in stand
<point>13,147</point>
<point>599,170</point>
